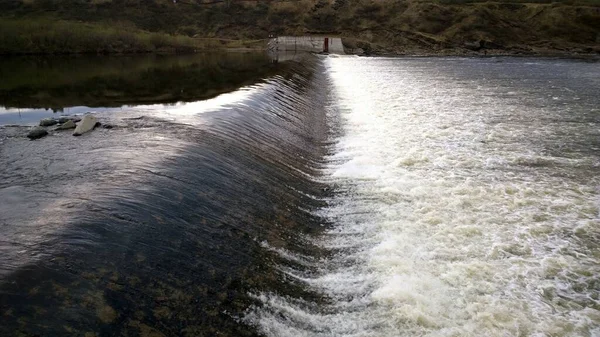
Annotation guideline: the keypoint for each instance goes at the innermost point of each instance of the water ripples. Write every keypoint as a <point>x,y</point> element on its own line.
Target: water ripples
<point>155,226</point>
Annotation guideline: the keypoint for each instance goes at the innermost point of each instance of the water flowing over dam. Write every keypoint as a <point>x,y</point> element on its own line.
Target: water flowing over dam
<point>466,203</point>
<point>335,196</point>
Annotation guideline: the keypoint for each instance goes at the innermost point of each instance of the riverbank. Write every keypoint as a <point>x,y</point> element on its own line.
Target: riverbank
<point>51,37</point>
<point>385,27</point>
<point>576,53</point>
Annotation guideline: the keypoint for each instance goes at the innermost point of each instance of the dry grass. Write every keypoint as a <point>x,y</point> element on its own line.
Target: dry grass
<point>385,25</point>
<point>18,36</point>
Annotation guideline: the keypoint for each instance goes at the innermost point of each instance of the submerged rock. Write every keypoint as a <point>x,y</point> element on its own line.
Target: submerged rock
<point>67,125</point>
<point>48,122</point>
<point>37,132</point>
<point>88,123</point>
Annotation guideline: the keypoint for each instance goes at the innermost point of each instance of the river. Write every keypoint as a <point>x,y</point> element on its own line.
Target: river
<point>328,196</point>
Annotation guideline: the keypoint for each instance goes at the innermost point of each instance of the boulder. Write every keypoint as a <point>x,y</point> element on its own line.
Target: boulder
<point>37,132</point>
<point>48,122</point>
<point>67,125</point>
<point>88,123</point>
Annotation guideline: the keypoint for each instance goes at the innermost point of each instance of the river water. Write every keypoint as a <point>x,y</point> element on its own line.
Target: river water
<point>334,196</point>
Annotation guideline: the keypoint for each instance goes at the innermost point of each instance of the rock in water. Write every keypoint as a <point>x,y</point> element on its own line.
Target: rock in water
<point>88,123</point>
<point>67,125</point>
<point>65,119</point>
<point>36,133</point>
<point>48,122</point>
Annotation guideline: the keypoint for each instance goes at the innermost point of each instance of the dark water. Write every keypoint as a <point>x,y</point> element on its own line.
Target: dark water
<point>34,88</point>
<point>155,226</point>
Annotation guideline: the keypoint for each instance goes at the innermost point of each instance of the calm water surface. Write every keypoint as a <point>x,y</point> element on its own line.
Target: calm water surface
<point>34,88</point>
<point>331,196</point>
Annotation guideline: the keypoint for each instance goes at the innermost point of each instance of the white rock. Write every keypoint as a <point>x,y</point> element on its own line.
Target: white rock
<point>67,125</point>
<point>88,123</point>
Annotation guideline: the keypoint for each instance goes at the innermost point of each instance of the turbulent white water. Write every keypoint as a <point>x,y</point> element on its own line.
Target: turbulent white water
<point>467,203</point>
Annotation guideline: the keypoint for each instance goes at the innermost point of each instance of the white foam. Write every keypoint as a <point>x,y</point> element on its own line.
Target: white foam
<point>452,224</point>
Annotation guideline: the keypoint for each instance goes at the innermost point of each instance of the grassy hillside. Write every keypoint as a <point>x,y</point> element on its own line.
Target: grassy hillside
<point>375,25</point>
<point>42,35</point>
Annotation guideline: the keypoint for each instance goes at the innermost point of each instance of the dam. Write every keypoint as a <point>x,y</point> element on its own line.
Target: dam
<point>311,43</point>
<point>326,196</point>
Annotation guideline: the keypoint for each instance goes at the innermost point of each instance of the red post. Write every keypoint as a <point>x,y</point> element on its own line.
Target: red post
<point>326,45</point>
